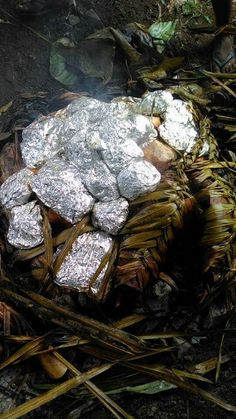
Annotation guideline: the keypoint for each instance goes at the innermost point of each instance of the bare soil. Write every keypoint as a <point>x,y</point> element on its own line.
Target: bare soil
<point>25,43</point>
<point>24,56</point>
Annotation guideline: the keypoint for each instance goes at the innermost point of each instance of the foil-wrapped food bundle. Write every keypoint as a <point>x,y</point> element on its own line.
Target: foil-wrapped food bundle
<point>41,140</point>
<point>110,216</point>
<point>25,226</point>
<point>93,158</point>
<point>16,190</point>
<point>80,266</point>
<point>58,185</point>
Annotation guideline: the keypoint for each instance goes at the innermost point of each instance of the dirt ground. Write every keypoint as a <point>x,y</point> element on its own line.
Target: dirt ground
<point>25,54</point>
<point>24,62</point>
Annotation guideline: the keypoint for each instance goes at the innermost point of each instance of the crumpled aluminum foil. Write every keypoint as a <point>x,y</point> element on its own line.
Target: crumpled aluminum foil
<point>118,139</point>
<point>120,153</point>
<point>138,178</point>
<point>42,140</point>
<point>110,216</point>
<point>85,112</point>
<point>101,183</point>
<point>58,185</point>
<point>82,262</point>
<point>179,129</point>
<point>144,131</point>
<point>131,101</point>
<point>104,111</point>
<point>16,190</point>
<point>78,152</point>
<point>26,226</point>
<point>102,148</point>
<point>155,103</point>
<point>123,127</point>
<point>77,115</point>
<point>80,104</point>
<point>109,128</point>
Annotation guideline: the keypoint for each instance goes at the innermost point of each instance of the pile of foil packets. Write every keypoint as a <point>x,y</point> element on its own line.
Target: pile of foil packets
<point>88,158</point>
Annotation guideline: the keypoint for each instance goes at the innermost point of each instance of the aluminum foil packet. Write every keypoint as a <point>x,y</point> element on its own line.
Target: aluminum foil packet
<point>119,154</point>
<point>101,183</point>
<point>179,129</point>
<point>85,112</point>
<point>144,131</point>
<point>79,117</point>
<point>58,185</point>
<point>107,149</point>
<point>106,110</point>
<point>41,140</point>
<point>137,179</point>
<point>154,103</point>
<point>110,216</point>
<point>90,160</point>
<point>104,141</point>
<point>135,127</point>
<point>80,265</point>
<point>81,155</point>
<point>95,174</point>
<point>16,190</point>
<point>118,137</point>
<point>118,127</point>
<point>25,226</point>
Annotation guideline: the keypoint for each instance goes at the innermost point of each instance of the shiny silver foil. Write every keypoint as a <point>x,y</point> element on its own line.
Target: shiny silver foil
<point>85,127</point>
<point>42,140</point>
<point>154,103</point>
<point>106,128</point>
<point>76,119</point>
<point>81,104</point>
<point>179,129</point>
<point>26,226</point>
<point>78,152</point>
<point>84,113</point>
<point>138,178</point>
<point>144,131</point>
<point>134,127</point>
<point>128,100</point>
<point>120,153</point>
<point>101,183</point>
<point>16,190</point>
<point>82,262</point>
<point>117,129</point>
<point>117,139</point>
<point>110,216</point>
<point>58,185</point>
<point>102,111</point>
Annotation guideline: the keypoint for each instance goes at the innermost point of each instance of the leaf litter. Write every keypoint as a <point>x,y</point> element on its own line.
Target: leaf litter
<point>108,344</point>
